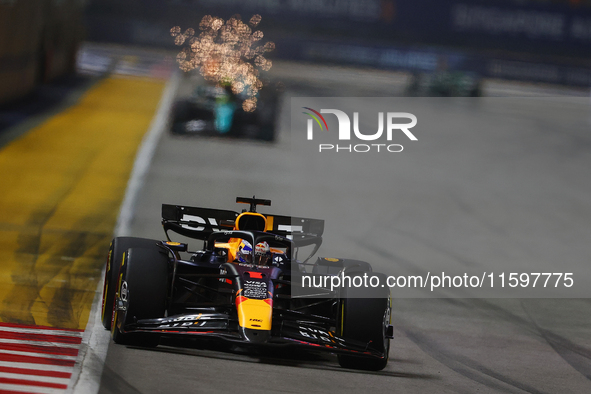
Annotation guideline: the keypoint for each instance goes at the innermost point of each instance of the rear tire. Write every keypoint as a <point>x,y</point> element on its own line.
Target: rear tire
<point>365,320</point>
<point>145,279</point>
<point>118,247</point>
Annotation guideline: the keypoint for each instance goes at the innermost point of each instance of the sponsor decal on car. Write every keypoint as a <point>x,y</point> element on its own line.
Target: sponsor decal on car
<point>123,293</point>
<point>255,289</point>
<point>320,335</point>
<point>182,321</point>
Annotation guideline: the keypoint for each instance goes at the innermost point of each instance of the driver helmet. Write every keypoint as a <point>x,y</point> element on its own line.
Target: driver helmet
<point>262,253</point>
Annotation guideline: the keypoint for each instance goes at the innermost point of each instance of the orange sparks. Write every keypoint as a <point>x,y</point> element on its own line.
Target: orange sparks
<point>225,53</point>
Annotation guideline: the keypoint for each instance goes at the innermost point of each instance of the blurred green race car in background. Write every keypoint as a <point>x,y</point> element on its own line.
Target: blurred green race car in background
<point>445,84</point>
<point>217,111</point>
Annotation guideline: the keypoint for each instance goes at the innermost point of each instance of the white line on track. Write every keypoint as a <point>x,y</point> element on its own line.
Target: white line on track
<point>75,334</point>
<point>43,355</point>
<point>35,366</point>
<point>86,377</point>
<point>37,343</point>
<point>36,354</point>
<point>34,378</point>
<point>41,329</point>
<point>30,389</point>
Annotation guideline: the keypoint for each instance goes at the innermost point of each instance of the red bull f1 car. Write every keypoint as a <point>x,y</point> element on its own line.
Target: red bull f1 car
<point>243,286</point>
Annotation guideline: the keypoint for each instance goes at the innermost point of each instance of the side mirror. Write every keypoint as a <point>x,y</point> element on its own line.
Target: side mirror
<point>176,246</point>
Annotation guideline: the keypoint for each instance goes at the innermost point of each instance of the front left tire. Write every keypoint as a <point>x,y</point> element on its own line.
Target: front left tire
<point>366,320</point>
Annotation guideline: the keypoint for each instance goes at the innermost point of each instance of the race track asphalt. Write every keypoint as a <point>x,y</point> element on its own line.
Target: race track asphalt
<point>510,195</point>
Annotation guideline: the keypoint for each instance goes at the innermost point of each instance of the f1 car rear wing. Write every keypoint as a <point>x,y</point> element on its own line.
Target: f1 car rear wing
<point>196,223</point>
<point>200,223</point>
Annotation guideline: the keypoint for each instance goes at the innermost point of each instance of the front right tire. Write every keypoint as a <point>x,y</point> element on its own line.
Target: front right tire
<point>143,291</point>
<point>118,248</point>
